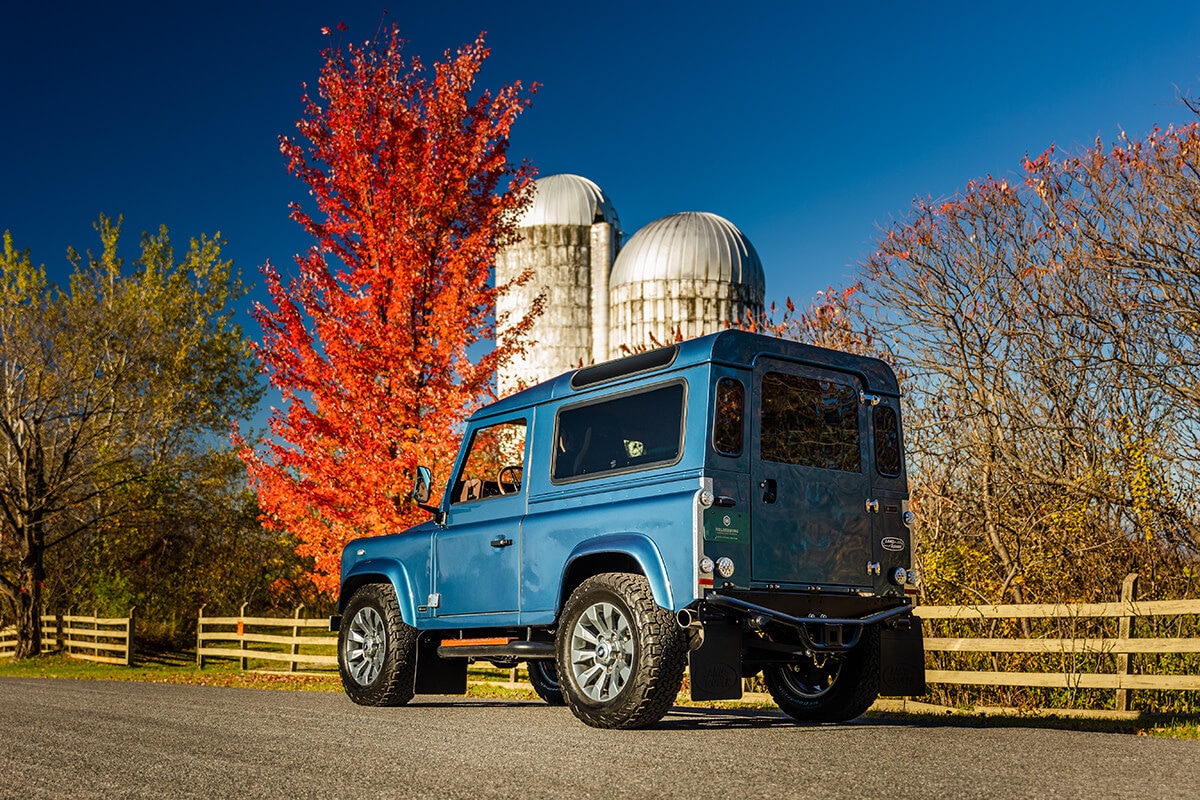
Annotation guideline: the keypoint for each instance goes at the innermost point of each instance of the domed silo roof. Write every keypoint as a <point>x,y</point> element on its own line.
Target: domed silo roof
<point>568,200</point>
<point>693,245</point>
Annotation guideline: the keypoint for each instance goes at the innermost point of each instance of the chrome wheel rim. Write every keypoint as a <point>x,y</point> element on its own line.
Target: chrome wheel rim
<point>366,646</point>
<point>809,680</point>
<point>602,650</point>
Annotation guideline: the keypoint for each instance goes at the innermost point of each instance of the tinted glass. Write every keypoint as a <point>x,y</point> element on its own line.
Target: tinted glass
<point>809,422</point>
<point>887,441</point>
<point>730,412</point>
<point>628,432</point>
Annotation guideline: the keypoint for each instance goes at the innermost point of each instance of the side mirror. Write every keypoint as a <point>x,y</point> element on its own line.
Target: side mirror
<point>422,486</point>
<point>421,492</point>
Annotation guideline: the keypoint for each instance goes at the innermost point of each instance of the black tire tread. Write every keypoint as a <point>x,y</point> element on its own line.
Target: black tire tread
<point>396,681</point>
<point>854,691</point>
<point>661,659</point>
<point>550,692</point>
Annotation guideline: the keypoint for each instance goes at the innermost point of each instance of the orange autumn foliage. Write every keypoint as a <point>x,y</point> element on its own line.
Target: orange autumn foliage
<point>373,345</point>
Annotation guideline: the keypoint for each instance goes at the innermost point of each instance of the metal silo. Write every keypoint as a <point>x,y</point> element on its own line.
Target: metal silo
<point>694,272</point>
<point>570,237</point>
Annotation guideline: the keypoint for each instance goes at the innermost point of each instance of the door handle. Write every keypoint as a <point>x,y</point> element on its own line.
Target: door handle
<point>768,487</point>
<point>501,541</point>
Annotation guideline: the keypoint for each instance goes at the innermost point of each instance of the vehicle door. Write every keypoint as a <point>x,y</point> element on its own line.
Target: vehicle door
<point>477,557</point>
<point>809,519</point>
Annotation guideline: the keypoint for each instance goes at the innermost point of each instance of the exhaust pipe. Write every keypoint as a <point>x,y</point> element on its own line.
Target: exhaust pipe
<point>688,618</point>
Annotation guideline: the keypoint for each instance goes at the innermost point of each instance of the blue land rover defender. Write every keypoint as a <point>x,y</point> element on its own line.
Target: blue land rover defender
<point>733,504</point>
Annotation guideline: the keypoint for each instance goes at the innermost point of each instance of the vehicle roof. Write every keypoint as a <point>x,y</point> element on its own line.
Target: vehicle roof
<point>729,347</point>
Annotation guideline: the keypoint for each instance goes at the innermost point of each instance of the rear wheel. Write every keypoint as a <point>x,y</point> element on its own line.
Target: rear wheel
<point>620,655</point>
<point>376,649</point>
<point>829,689</point>
<point>544,678</point>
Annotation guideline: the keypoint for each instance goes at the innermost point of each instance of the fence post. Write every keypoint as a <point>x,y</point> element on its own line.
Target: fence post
<point>296,637</point>
<point>129,637</point>
<point>241,632</point>
<point>1125,631</point>
<point>200,636</point>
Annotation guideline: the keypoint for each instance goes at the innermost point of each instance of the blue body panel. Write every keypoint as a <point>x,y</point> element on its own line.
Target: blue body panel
<point>509,561</point>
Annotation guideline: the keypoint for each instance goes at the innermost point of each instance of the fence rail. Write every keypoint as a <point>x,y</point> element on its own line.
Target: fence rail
<point>1125,644</point>
<point>107,640</point>
<point>231,637</point>
<point>50,636</point>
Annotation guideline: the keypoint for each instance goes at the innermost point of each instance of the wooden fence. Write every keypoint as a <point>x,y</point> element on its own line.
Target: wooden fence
<point>292,641</point>
<point>1122,647</point>
<point>108,640</point>
<point>50,636</point>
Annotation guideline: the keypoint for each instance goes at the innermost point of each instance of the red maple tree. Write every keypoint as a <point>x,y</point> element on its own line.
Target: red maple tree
<point>371,343</point>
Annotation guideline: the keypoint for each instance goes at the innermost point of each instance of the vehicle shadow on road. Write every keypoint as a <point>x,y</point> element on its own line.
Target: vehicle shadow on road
<point>689,718</point>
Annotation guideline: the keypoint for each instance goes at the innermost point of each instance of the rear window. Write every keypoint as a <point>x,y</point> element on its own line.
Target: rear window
<point>727,419</point>
<point>809,422</point>
<point>887,441</point>
<point>628,432</point>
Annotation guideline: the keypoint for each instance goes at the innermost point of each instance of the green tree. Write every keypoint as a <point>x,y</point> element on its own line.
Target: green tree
<point>119,381</point>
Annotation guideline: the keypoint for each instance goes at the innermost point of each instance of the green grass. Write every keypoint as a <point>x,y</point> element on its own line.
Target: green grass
<point>487,681</point>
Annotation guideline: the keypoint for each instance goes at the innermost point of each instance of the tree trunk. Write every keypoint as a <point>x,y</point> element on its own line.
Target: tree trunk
<point>28,603</point>
<point>29,623</point>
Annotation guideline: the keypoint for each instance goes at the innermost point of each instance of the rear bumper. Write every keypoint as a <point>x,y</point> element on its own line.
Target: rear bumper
<point>817,632</point>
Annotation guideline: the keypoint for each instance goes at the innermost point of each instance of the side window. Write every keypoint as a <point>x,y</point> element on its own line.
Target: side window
<point>809,422</point>
<point>728,416</point>
<point>495,463</point>
<point>887,441</point>
<point>633,431</point>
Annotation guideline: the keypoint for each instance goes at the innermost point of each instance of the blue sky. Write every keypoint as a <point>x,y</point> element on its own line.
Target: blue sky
<point>807,125</point>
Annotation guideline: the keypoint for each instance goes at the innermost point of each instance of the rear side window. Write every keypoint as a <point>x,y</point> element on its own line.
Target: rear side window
<point>632,431</point>
<point>887,441</point>
<point>809,422</point>
<point>729,414</point>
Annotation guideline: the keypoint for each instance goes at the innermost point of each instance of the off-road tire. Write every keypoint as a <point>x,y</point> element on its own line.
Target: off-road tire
<point>652,657</point>
<point>544,677</point>
<point>376,649</point>
<point>848,695</point>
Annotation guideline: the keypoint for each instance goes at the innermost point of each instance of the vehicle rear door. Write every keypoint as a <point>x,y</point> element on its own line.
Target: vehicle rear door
<point>809,485</point>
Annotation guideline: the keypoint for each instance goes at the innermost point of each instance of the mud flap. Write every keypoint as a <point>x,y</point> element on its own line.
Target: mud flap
<point>902,662</point>
<point>715,668</point>
<point>438,675</point>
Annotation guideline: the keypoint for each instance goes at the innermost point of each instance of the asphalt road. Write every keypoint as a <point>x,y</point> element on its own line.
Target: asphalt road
<point>98,739</point>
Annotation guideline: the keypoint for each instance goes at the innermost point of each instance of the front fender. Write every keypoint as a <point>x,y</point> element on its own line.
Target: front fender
<point>631,545</point>
<point>378,570</point>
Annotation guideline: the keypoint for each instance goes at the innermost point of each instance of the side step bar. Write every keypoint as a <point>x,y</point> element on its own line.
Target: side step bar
<point>497,647</point>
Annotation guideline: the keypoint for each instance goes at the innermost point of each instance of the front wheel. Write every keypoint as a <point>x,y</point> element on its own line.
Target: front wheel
<point>620,656</point>
<point>830,688</point>
<point>544,678</point>
<point>376,649</point>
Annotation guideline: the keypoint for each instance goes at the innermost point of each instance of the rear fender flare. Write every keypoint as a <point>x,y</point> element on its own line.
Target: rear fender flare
<point>619,549</point>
